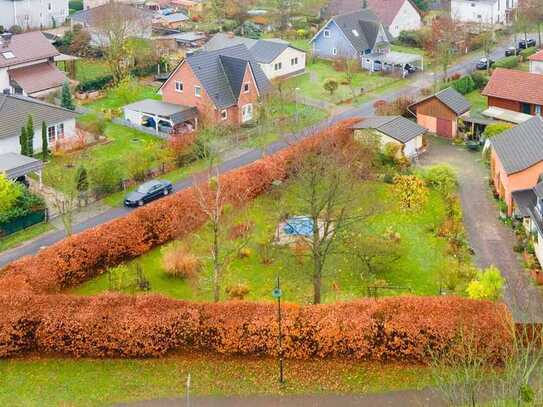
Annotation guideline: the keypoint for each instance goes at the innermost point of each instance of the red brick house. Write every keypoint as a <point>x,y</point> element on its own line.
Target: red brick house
<point>516,91</point>
<point>224,85</point>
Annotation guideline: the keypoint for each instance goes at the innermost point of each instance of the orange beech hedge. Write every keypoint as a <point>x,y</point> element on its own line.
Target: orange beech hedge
<point>82,256</point>
<point>115,325</point>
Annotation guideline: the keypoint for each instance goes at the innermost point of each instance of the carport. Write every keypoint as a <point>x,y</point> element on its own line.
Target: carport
<point>161,116</point>
<point>391,61</point>
<point>15,166</point>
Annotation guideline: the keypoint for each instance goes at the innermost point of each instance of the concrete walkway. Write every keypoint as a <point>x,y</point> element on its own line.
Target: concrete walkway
<point>491,240</point>
<point>407,398</point>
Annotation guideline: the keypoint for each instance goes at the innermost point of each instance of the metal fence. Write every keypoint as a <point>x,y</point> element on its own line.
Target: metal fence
<point>22,222</point>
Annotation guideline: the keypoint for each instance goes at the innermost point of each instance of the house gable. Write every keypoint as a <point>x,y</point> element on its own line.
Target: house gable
<point>407,18</point>
<point>434,107</point>
<point>337,44</point>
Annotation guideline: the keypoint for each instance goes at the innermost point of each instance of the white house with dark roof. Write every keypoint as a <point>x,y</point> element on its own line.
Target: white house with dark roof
<point>395,130</point>
<point>32,14</point>
<point>483,11</point>
<point>14,113</point>
<point>277,58</point>
<point>27,65</point>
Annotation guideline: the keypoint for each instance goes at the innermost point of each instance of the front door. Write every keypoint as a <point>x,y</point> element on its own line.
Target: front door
<point>444,128</point>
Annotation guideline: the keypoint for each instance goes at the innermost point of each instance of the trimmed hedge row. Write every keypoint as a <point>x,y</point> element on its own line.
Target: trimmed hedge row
<point>407,329</point>
<point>83,256</point>
<point>104,81</point>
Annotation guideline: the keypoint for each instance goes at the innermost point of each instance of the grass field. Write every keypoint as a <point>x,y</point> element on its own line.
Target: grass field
<point>478,102</point>
<point>23,236</point>
<point>88,69</point>
<point>116,98</point>
<point>87,382</point>
<point>311,83</point>
<point>422,255</point>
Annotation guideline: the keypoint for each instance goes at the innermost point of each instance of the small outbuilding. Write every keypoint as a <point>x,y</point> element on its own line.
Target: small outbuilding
<point>16,166</point>
<point>161,116</point>
<point>439,113</point>
<point>392,130</point>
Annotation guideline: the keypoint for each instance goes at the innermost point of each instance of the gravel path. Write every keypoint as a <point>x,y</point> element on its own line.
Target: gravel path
<point>491,240</point>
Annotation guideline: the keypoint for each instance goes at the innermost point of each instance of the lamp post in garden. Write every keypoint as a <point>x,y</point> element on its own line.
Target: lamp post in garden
<point>276,293</point>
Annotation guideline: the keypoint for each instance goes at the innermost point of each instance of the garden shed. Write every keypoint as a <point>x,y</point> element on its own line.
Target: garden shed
<point>15,166</point>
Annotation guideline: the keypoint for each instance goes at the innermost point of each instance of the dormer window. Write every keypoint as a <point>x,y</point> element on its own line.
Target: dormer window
<point>8,55</point>
<point>355,33</point>
<point>326,33</point>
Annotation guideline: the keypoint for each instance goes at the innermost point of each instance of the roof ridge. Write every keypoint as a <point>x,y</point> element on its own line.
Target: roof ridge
<point>38,102</point>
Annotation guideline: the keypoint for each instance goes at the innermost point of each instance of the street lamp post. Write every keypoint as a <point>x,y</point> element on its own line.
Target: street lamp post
<point>277,295</point>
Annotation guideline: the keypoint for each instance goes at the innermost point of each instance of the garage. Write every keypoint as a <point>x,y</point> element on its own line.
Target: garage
<point>162,117</point>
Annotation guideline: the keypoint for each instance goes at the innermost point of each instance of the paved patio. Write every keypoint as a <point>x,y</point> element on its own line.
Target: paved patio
<point>491,240</point>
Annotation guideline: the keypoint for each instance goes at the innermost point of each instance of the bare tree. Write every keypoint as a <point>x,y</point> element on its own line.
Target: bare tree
<point>323,193</point>
<point>443,42</point>
<point>64,195</point>
<point>114,25</point>
<point>213,200</point>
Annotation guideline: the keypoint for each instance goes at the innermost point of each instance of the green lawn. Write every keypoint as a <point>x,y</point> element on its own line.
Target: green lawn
<point>88,382</point>
<point>311,83</point>
<point>116,98</point>
<point>23,236</point>
<point>90,69</point>
<point>478,102</point>
<point>421,254</point>
<point>302,44</point>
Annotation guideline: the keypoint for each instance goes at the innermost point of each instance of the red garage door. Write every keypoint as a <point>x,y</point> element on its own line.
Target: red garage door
<point>444,128</point>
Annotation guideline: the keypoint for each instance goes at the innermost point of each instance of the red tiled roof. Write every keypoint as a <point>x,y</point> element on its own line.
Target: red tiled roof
<point>515,85</point>
<point>26,47</point>
<point>538,56</point>
<point>35,78</point>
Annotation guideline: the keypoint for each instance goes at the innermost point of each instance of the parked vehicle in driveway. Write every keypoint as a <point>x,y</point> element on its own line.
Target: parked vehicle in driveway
<point>148,192</point>
<point>484,63</point>
<point>410,68</point>
<point>523,44</point>
<point>511,51</point>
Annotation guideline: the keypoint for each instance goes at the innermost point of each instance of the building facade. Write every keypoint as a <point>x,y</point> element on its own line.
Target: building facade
<point>33,14</point>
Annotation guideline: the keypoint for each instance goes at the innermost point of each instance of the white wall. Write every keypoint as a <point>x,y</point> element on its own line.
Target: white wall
<point>484,11</point>
<point>11,144</point>
<point>286,67</point>
<point>133,116</point>
<point>538,247</point>
<point>536,67</point>
<point>33,13</point>
<point>407,18</point>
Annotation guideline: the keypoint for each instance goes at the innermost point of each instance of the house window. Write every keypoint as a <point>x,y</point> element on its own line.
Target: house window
<point>326,33</point>
<point>246,87</point>
<point>60,131</point>
<point>294,61</point>
<point>8,55</point>
<point>49,6</point>
<point>51,134</point>
<point>224,114</point>
<point>246,113</point>
<point>277,66</point>
<point>197,91</point>
<point>538,110</point>
<point>179,86</point>
<point>334,51</point>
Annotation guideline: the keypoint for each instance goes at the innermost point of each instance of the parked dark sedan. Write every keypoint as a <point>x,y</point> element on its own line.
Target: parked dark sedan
<point>511,51</point>
<point>147,192</point>
<point>523,44</point>
<point>484,63</point>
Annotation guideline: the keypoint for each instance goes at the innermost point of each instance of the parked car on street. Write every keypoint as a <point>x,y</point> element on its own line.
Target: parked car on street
<point>511,51</point>
<point>523,44</point>
<point>148,192</point>
<point>484,63</point>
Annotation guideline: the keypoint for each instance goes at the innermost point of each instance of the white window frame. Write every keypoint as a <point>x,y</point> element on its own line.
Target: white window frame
<point>246,87</point>
<point>326,33</point>
<point>334,51</point>
<point>224,114</point>
<point>538,110</point>
<point>179,86</point>
<point>294,61</point>
<point>51,134</point>
<point>244,112</point>
<point>197,91</point>
<point>278,66</point>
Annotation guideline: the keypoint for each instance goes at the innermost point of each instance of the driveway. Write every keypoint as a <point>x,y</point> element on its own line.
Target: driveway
<point>420,81</point>
<point>491,240</point>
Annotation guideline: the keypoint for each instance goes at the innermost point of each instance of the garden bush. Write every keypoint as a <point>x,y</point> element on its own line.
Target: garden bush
<point>480,79</point>
<point>180,263</point>
<point>507,62</point>
<point>105,177</point>
<point>25,203</point>
<point>407,329</point>
<point>463,85</point>
<point>526,53</point>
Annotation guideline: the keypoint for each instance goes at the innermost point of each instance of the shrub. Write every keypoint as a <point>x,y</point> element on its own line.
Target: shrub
<point>238,291</point>
<point>105,177</point>
<point>245,253</point>
<point>95,84</point>
<point>441,177</point>
<point>507,62</point>
<point>179,263</point>
<point>480,79</point>
<point>330,85</point>
<point>240,230</point>
<point>526,53</point>
<point>487,286</point>
<point>412,38</point>
<point>494,129</point>
<point>464,85</point>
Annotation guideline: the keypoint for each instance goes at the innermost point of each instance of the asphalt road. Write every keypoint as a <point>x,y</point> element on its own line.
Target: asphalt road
<point>420,81</point>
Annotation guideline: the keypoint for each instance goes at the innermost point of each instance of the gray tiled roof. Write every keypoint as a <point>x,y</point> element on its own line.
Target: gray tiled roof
<point>221,72</point>
<point>397,127</point>
<point>14,112</point>
<point>263,51</point>
<point>16,165</point>
<point>454,100</point>
<point>365,23</point>
<point>520,147</point>
<point>525,200</point>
